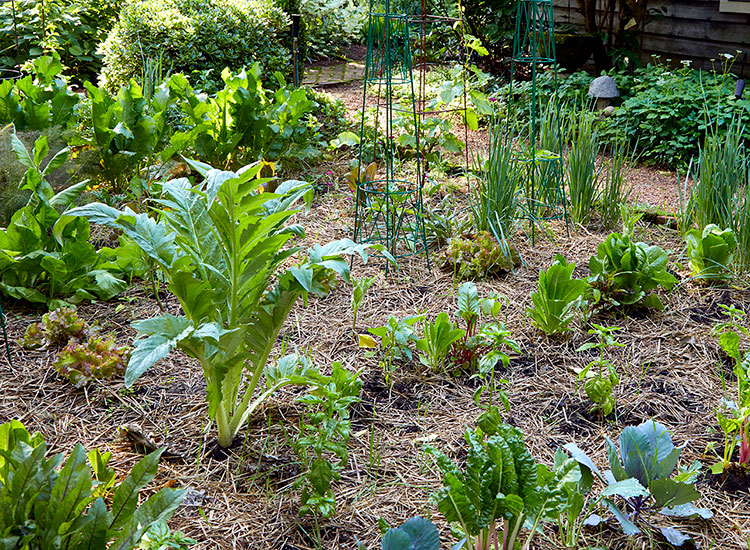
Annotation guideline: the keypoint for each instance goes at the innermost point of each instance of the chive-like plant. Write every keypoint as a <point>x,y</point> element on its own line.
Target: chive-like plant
<point>581,167</point>
<point>222,247</point>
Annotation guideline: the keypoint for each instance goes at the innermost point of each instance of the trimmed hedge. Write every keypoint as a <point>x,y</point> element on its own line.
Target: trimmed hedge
<point>196,35</point>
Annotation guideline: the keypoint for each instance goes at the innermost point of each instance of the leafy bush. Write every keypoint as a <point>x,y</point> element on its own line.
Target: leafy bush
<point>641,475</point>
<point>45,258</point>
<point>71,29</point>
<point>493,22</point>
<point>38,100</point>
<point>556,296</point>
<point>711,252</point>
<point>221,247</point>
<point>331,24</point>
<point>245,121</point>
<point>54,503</point>
<point>195,35</point>
<point>626,273</point>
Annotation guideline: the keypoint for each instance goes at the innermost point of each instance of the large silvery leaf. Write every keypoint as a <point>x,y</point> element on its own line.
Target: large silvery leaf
<point>647,452</point>
<point>163,334</point>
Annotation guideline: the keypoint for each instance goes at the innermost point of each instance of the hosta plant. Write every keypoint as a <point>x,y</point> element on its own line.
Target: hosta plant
<point>56,502</point>
<point>223,247</point>
<point>711,252</point>
<point>641,475</point>
<point>556,296</point>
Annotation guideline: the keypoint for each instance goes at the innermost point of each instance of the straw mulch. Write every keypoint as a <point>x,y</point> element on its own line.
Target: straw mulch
<point>668,370</point>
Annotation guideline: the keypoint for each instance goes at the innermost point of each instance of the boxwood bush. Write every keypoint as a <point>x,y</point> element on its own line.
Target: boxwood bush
<point>196,35</point>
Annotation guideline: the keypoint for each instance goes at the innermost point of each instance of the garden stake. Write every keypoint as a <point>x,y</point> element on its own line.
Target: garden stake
<point>388,207</point>
<point>534,45</point>
<point>3,319</point>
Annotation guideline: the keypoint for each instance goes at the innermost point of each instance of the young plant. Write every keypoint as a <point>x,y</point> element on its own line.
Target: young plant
<point>734,419</point>
<point>359,287</point>
<point>439,336</point>
<point>159,537</point>
<point>625,273</point>
<point>52,502</point>
<point>711,252</point>
<point>325,434</point>
<point>96,357</point>
<point>478,256</point>
<point>556,297</point>
<point>395,338</point>
<point>414,534</point>
<point>498,484</point>
<point>641,476</point>
<point>599,385</point>
<point>222,248</point>
<point>582,173</point>
<point>56,329</point>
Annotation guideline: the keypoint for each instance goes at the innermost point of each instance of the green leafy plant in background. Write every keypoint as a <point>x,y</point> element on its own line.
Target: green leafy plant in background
<point>625,273</point>
<point>128,130</point>
<point>640,474</point>
<point>600,375</point>
<point>555,298</point>
<point>221,246</point>
<point>359,287</point>
<point>497,484</point>
<point>56,329</point>
<point>38,100</point>
<point>197,36</point>
<point>583,176</point>
<point>42,261</point>
<point>245,121</point>
<point>52,502</point>
<point>439,337</point>
<point>734,416</point>
<point>711,252</point>
<point>396,336</point>
<point>323,438</point>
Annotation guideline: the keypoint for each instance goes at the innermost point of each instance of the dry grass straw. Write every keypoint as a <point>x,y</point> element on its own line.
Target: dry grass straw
<point>244,500</point>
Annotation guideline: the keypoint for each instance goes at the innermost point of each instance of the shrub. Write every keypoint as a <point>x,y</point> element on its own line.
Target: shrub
<point>72,29</point>
<point>191,35</point>
<point>331,24</point>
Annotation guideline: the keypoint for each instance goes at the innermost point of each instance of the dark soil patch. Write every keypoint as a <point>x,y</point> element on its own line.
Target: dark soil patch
<point>734,480</point>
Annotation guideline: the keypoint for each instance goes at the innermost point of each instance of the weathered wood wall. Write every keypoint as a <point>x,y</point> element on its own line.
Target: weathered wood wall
<point>688,29</point>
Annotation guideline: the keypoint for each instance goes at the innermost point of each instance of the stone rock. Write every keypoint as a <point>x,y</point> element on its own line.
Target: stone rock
<point>603,87</point>
<point>608,111</point>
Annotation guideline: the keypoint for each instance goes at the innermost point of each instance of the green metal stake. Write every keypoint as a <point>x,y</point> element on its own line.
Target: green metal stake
<point>533,46</point>
<point>388,206</point>
<point>3,320</point>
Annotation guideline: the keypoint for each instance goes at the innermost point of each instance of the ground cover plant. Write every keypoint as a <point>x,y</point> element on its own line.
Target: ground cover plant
<point>277,427</point>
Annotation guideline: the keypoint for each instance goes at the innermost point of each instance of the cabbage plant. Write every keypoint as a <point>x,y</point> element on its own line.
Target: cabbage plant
<point>222,246</point>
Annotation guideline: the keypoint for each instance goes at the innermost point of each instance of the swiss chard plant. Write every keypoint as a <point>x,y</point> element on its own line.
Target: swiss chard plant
<point>734,416</point>
<point>711,252</point>
<point>41,260</point>
<point>223,246</point>
<point>626,273</point>
<point>600,375</point>
<point>324,434</point>
<point>129,129</point>
<point>56,502</point>
<point>641,475</point>
<point>497,490</point>
<point>396,337</point>
<point>556,297</point>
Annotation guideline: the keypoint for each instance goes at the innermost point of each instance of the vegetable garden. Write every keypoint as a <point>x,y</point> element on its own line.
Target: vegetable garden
<point>199,355</point>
